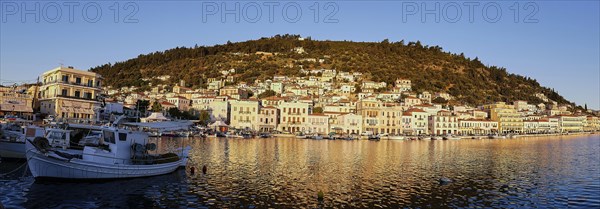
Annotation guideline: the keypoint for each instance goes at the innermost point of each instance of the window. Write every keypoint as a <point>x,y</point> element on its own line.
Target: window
<point>78,80</point>
<point>77,94</point>
<point>64,92</point>
<point>87,95</point>
<point>109,137</point>
<point>65,78</point>
<point>90,83</point>
<point>122,136</point>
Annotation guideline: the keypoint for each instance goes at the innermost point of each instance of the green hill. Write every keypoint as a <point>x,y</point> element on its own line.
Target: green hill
<point>429,67</point>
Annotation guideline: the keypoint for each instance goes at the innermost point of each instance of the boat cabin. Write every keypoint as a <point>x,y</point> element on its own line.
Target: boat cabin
<point>120,147</point>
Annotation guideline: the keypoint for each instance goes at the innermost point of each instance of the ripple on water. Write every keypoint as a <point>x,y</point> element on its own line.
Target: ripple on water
<point>278,173</point>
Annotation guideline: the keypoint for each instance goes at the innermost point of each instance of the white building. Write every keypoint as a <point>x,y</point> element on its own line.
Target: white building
<point>444,122</point>
<point>244,114</point>
<point>294,116</point>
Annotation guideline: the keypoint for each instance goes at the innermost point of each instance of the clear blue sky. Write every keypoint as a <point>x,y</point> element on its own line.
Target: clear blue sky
<point>561,50</point>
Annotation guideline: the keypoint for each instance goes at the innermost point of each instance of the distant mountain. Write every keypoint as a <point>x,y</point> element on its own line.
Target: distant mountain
<point>429,68</point>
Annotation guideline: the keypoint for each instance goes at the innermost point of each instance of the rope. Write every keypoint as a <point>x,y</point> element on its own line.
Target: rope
<point>6,174</point>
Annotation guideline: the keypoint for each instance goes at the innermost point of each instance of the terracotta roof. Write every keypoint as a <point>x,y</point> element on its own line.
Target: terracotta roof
<point>166,103</point>
<point>414,110</point>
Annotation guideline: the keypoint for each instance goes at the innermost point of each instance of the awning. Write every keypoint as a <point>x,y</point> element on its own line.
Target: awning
<point>15,108</point>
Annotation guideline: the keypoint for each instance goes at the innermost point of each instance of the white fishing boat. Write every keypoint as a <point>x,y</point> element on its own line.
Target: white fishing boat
<point>451,137</point>
<point>301,135</point>
<point>395,137</point>
<point>123,154</point>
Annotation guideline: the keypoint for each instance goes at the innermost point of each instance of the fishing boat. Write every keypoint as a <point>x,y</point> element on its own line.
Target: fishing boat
<point>220,135</point>
<point>122,154</point>
<point>247,135</point>
<point>12,140</point>
<point>395,137</point>
<point>374,137</point>
<point>301,135</point>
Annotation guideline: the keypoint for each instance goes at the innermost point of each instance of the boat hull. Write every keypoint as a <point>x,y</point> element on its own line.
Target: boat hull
<point>43,167</point>
<point>12,150</point>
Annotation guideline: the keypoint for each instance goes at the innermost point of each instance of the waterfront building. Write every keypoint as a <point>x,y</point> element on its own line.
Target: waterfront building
<point>244,114</point>
<point>444,122</point>
<point>531,126</point>
<point>477,127</point>
<point>317,123</point>
<point>414,121</point>
<point>70,93</point>
<point>369,108</point>
<point>570,123</point>
<point>268,119</point>
<point>390,119</point>
<point>509,120</point>
<point>294,116</point>
<point>348,123</point>
<point>592,124</point>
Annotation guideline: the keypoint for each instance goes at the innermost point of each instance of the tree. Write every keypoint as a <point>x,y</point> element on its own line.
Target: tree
<point>585,107</point>
<point>318,110</point>
<point>267,93</point>
<point>142,106</point>
<point>357,88</point>
<point>156,107</point>
<point>174,112</point>
<point>204,117</point>
<point>439,100</point>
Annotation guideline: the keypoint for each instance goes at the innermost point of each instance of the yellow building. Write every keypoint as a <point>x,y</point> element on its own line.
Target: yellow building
<point>592,124</point>
<point>244,114</point>
<point>509,120</point>
<point>570,123</point>
<point>70,93</point>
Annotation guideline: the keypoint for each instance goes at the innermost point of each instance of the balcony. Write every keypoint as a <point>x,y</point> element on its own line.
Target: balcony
<point>294,113</point>
<point>71,83</point>
<point>244,112</point>
<point>74,97</point>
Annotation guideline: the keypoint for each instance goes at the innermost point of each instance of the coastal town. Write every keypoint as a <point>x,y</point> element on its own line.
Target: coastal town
<point>324,102</point>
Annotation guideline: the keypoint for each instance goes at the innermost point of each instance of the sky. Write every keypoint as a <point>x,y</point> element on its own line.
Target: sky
<point>556,42</point>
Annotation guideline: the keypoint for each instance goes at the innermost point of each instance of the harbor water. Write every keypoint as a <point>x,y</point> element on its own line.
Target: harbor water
<point>542,172</point>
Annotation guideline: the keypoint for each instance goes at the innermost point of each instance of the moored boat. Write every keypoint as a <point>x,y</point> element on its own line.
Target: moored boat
<point>123,154</point>
<point>395,137</point>
<point>374,137</point>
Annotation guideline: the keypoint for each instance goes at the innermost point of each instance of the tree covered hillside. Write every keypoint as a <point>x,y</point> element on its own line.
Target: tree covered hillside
<point>429,67</point>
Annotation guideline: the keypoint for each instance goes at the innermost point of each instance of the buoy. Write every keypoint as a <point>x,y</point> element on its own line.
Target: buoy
<point>444,181</point>
<point>204,169</point>
<point>320,196</point>
<point>192,170</point>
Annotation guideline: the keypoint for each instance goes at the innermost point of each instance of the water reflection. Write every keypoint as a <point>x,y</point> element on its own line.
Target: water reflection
<point>534,172</point>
